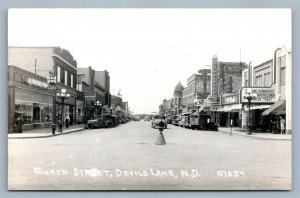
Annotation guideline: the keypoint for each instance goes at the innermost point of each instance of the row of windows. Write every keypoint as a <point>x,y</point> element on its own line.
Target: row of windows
<point>65,77</point>
<point>22,78</point>
<point>261,81</point>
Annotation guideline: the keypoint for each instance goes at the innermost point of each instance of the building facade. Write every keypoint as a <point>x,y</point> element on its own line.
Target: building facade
<point>226,81</point>
<point>98,91</point>
<point>29,99</point>
<point>41,61</point>
<point>282,107</point>
<point>177,99</point>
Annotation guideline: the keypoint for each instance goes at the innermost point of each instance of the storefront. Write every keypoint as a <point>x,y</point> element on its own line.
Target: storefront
<point>274,113</point>
<point>230,110</point>
<point>260,99</point>
<point>28,100</point>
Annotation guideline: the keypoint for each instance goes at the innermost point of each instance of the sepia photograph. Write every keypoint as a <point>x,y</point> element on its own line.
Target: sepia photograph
<point>149,99</point>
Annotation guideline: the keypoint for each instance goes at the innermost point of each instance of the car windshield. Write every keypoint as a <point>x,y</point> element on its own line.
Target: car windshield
<point>159,117</point>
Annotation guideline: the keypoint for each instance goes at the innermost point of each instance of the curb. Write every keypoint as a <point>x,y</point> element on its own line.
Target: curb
<point>258,138</point>
<point>46,136</point>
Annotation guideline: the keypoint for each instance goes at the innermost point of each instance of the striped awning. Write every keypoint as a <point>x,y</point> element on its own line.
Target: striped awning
<point>277,108</point>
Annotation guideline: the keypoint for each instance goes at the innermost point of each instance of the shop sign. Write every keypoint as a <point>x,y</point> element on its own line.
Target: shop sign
<point>233,99</point>
<point>262,95</point>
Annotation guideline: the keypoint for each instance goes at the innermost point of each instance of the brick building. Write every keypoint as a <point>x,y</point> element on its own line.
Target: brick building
<point>29,98</point>
<point>42,60</point>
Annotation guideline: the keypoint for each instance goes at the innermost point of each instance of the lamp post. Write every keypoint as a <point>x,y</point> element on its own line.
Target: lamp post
<point>62,95</point>
<point>198,107</point>
<point>98,106</point>
<point>52,82</point>
<point>250,96</point>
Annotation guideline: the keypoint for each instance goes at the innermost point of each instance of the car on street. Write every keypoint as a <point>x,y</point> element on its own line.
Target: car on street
<point>157,119</point>
<point>102,121</point>
<point>210,126</point>
<point>202,121</point>
<point>184,122</point>
<point>177,120</point>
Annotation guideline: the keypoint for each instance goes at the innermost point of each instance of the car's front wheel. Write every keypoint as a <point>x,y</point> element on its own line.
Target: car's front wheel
<point>91,126</point>
<point>109,125</point>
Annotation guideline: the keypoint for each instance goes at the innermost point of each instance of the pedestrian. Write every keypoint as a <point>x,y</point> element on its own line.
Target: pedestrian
<point>67,121</point>
<point>19,122</point>
<point>282,125</point>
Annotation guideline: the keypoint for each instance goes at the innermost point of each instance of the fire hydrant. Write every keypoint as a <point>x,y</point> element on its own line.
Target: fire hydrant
<point>53,128</point>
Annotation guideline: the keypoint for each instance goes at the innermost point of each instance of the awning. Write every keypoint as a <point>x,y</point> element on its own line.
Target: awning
<point>277,108</point>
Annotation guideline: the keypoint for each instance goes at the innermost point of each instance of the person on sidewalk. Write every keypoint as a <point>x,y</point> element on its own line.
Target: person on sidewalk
<point>19,122</point>
<point>282,125</point>
<point>67,121</point>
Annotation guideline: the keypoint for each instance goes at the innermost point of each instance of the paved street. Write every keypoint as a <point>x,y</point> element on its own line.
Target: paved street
<point>126,157</point>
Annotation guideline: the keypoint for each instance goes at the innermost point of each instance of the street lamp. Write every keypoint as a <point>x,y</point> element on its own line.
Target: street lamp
<point>198,107</point>
<point>62,95</point>
<point>250,96</point>
<point>98,106</point>
<point>52,82</point>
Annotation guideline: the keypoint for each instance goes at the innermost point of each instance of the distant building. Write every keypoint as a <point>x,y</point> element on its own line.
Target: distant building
<point>96,92</point>
<point>166,107</point>
<point>116,104</point>
<point>177,99</point>
<point>125,107</point>
<point>198,88</point>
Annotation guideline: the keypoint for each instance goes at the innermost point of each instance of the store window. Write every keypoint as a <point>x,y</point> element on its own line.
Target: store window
<point>24,109</point>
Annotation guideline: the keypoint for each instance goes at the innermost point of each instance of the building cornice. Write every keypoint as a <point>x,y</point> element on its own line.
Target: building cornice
<point>57,56</point>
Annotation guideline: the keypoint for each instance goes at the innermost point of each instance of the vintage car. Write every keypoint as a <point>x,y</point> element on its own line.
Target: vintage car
<point>202,121</point>
<point>102,121</point>
<point>156,121</point>
<point>184,122</point>
<point>177,120</point>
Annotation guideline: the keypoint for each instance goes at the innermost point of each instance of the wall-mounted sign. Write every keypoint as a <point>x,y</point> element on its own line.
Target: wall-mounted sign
<point>262,94</point>
<point>231,99</point>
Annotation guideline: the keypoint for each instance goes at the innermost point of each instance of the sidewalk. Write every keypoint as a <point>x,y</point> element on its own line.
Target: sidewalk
<point>45,132</point>
<point>256,134</point>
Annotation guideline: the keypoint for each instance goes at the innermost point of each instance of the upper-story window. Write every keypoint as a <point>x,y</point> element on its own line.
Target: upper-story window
<point>58,74</point>
<point>66,77</point>
<point>258,81</point>
<point>282,69</point>
<point>267,79</point>
<point>72,81</point>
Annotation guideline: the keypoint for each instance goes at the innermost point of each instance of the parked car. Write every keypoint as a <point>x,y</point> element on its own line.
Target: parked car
<point>184,122</point>
<point>202,121</point>
<point>156,121</point>
<point>173,119</point>
<point>210,126</point>
<point>177,120</point>
<point>169,120</point>
<point>102,121</point>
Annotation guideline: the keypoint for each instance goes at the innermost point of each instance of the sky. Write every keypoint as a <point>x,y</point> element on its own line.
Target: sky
<point>148,51</point>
